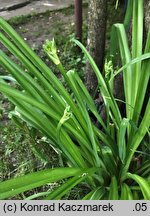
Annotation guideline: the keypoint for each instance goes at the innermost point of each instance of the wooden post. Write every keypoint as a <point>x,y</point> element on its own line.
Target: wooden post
<point>78,19</point>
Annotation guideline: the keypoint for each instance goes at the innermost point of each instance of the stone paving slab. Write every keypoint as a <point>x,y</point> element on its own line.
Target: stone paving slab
<point>12,5</point>
<point>26,7</point>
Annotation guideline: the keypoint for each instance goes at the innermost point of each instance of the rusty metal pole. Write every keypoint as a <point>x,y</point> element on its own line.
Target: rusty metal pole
<point>78,19</point>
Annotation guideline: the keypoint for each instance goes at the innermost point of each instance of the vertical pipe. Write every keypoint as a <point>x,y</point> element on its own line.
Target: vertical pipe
<point>78,19</point>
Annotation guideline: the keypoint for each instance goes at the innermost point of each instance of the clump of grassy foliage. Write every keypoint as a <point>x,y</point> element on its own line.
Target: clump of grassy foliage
<point>14,160</point>
<point>101,158</point>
